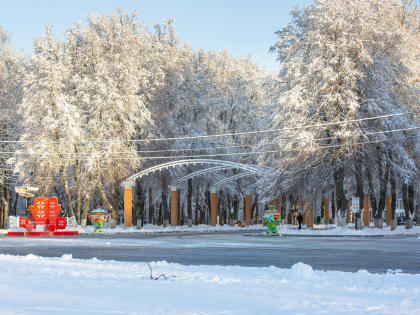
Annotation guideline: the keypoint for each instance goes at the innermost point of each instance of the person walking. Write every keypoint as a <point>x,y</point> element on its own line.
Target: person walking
<point>300,219</point>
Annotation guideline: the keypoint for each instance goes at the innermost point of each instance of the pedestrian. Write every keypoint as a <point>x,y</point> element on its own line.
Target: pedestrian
<point>300,219</point>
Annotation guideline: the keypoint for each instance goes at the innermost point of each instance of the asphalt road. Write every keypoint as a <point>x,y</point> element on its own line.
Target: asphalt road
<point>333,253</point>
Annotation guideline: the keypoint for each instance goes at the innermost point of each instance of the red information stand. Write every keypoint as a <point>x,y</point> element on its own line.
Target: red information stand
<point>45,220</point>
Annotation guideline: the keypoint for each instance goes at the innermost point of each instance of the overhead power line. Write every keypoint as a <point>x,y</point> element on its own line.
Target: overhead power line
<point>232,154</point>
<point>202,149</point>
<point>206,148</point>
<point>219,135</point>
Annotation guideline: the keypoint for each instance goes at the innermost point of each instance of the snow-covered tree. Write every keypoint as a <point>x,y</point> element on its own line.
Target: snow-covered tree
<point>51,123</point>
<point>340,61</point>
<point>10,96</point>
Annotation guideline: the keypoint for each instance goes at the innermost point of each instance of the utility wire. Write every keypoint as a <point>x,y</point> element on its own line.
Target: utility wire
<point>237,153</point>
<point>207,148</point>
<point>219,135</point>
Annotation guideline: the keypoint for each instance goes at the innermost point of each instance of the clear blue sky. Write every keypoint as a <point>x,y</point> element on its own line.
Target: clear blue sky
<point>242,27</point>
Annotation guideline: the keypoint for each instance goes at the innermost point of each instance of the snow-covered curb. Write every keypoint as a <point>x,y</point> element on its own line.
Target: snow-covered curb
<point>287,230</point>
<point>37,285</point>
<point>332,230</point>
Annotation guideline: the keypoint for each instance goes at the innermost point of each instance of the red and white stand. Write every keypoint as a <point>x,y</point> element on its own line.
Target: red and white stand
<point>45,220</point>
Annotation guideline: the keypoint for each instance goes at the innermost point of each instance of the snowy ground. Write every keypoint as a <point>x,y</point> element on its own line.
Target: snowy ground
<point>317,230</point>
<point>37,285</point>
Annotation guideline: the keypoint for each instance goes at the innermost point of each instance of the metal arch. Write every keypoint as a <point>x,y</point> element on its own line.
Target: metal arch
<point>232,178</point>
<point>253,186</point>
<point>130,181</point>
<point>201,172</point>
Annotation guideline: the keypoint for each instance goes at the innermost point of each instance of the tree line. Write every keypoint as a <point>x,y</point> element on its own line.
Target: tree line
<point>90,108</point>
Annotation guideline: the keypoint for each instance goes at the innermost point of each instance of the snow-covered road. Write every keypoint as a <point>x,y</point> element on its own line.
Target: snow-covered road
<point>332,253</point>
<point>36,285</point>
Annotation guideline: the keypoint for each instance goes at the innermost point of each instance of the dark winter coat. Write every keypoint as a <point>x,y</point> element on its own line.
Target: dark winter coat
<point>300,218</point>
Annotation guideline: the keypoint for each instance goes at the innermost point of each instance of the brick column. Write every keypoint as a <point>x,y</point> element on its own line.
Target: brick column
<point>326,211</point>
<point>248,210</point>
<point>213,208</point>
<point>174,207</point>
<point>366,214</point>
<point>388,210</point>
<point>128,206</point>
<point>348,212</point>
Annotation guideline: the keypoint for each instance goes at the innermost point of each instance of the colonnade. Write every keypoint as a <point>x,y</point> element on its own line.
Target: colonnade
<point>308,213</point>
<point>128,207</point>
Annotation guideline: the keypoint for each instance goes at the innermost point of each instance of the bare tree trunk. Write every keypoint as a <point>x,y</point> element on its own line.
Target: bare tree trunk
<point>221,207</point>
<point>235,208</point>
<point>208,205</point>
<point>408,200</point>
<point>371,192</point>
<point>340,196</point>
<point>411,202</point>
<point>165,209</point>
<point>114,213</point>
<point>333,214</point>
<point>283,208</point>
<point>202,214</point>
<point>5,215</point>
<point>189,203</point>
<point>255,210</point>
<point>152,218</point>
<point>2,203</point>
<point>86,203</point>
<point>359,191</point>
<point>139,205</point>
<point>182,215</point>
<point>159,221</point>
<point>393,199</point>
<point>78,193</point>
<point>197,207</point>
<point>383,184</point>
<point>67,191</point>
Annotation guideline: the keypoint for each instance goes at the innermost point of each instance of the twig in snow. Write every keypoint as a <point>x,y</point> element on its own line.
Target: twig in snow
<point>155,278</point>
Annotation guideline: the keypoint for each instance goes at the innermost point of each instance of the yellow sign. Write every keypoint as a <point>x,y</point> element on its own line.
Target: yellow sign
<point>26,194</point>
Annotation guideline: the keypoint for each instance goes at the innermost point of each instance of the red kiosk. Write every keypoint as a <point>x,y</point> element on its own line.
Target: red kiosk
<point>45,221</point>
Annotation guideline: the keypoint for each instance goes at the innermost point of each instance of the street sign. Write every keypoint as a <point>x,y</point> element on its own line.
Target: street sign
<point>22,190</point>
<point>26,194</point>
<point>355,204</point>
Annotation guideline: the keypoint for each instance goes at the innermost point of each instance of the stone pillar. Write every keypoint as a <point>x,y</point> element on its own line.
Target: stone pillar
<point>174,207</point>
<point>213,208</point>
<point>348,214</point>
<point>247,209</point>
<point>388,210</point>
<point>310,217</point>
<point>326,211</point>
<point>366,215</point>
<point>128,206</point>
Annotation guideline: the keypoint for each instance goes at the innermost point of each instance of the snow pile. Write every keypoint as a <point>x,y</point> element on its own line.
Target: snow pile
<point>349,230</point>
<point>302,271</point>
<point>318,230</point>
<point>150,228</point>
<point>37,285</point>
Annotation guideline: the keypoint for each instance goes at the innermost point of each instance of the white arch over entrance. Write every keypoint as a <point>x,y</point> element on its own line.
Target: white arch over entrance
<point>230,179</point>
<point>130,181</point>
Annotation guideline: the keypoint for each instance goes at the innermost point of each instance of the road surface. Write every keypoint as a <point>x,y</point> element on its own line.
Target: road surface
<point>375,254</point>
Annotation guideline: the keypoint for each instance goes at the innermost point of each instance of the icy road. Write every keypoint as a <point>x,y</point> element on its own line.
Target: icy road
<point>374,254</point>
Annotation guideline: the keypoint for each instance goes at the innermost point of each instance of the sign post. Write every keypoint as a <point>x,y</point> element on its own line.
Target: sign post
<point>355,208</point>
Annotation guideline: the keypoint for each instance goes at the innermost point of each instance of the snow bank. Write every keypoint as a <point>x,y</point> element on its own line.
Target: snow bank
<point>38,285</point>
<point>318,230</point>
<point>150,228</point>
<point>349,230</point>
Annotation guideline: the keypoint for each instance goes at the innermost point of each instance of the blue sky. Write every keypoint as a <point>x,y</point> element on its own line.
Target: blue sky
<point>242,27</point>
